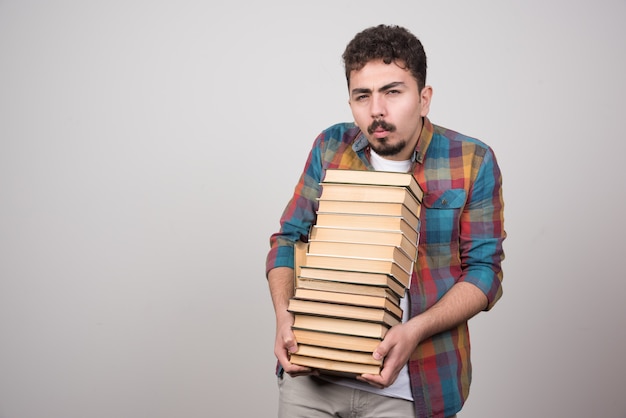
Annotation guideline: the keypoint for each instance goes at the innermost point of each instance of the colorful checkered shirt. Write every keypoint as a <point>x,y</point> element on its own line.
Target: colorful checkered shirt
<point>461,236</point>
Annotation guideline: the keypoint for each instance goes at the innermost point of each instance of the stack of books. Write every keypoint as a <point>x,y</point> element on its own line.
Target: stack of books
<point>355,268</point>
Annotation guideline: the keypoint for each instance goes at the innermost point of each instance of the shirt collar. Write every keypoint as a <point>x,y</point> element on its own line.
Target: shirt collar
<point>425,138</point>
<point>361,143</point>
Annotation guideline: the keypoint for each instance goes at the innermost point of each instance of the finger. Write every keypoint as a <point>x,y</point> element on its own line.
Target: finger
<point>291,347</point>
<point>373,380</point>
<point>290,344</point>
<point>380,351</point>
<point>294,370</point>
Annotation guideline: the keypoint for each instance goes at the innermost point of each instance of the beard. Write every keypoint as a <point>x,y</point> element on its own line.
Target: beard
<point>382,146</point>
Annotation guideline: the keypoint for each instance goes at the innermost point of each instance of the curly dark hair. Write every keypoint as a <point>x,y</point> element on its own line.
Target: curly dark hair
<point>390,43</point>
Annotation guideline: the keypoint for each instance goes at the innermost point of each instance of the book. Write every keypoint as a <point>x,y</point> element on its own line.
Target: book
<point>337,354</point>
<point>371,251</point>
<point>338,310</point>
<point>369,222</point>
<point>349,288</point>
<point>349,299</point>
<point>364,236</point>
<point>370,193</point>
<point>332,340</point>
<point>299,254</point>
<point>354,277</point>
<point>343,368</point>
<point>384,178</point>
<point>340,326</point>
<point>366,265</point>
<point>369,208</point>
<point>299,259</point>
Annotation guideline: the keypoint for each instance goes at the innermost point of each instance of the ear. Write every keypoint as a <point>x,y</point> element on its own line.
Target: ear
<point>425,97</point>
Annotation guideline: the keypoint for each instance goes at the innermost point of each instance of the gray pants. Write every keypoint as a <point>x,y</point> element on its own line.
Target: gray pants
<point>311,397</point>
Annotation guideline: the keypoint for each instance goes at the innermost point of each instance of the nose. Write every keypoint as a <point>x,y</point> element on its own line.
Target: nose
<point>377,108</point>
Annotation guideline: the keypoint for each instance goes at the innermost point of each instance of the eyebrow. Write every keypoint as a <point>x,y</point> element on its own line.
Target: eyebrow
<point>380,90</point>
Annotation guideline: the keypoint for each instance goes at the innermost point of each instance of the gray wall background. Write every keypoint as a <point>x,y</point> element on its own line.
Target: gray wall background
<point>147,149</point>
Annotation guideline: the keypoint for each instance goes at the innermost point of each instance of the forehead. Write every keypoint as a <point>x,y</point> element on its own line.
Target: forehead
<point>376,74</point>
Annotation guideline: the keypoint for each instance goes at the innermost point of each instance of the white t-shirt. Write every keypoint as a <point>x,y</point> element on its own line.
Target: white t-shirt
<point>401,388</point>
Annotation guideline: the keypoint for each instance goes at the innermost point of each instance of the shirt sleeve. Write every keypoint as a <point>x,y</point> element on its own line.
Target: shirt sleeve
<point>482,231</point>
<point>300,212</point>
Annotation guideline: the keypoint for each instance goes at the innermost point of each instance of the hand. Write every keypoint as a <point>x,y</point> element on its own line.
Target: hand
<point>395,349</point>
<point>286,344</point>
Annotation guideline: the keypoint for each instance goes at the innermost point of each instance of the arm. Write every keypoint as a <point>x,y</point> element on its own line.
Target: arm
<point>295,223</point>
<point>459,304</point>
<point>280,281</point>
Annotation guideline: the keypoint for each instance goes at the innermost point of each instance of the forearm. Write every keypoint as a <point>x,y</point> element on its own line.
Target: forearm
<point>280,280</point>
<point>281,285</point>
<point>458,305</point>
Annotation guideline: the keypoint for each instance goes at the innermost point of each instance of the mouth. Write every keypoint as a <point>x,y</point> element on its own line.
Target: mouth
<point>380,129</point>
<point>380,133</point>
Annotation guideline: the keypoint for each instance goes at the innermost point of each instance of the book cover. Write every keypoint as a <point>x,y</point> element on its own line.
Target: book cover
<point>368,222</point>
<point>364,236</point>
<point>354,277</point>
<point>337,354</point>
<point>361,265</point>
<point>340,326</point>
<point>342,311</point>
<point>348,299</point>
<point>299,259</point>
<point>367,177</point>
<point>342,341</point>
<point>368,208</point>
<point>349,288</point>
<point>359,250</point>
<point>368,193</point>
<point>343,368</point>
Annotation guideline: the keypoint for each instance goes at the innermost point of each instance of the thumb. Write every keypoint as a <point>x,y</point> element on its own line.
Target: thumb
<point>381,351</point>
<point>289,342</point>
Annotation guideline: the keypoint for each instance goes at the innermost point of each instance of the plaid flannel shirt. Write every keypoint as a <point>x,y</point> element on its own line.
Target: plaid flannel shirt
<point>461,236</point>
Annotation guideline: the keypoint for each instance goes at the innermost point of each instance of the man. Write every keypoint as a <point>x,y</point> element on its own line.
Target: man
<point>426,370</point>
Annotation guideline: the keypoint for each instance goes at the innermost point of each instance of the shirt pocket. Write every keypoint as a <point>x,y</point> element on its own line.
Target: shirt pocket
<point>445,199</point>
<point>441,217</point>
<point>439,258</point>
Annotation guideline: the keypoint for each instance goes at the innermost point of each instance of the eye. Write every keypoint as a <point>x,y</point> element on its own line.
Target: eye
<point>393,92</point>
<point>361,97</point>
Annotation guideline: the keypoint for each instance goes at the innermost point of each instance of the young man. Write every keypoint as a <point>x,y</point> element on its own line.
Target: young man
<point>427,370</point>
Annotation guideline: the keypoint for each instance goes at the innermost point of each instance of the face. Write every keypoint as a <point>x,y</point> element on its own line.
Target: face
<point>388,108</point>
